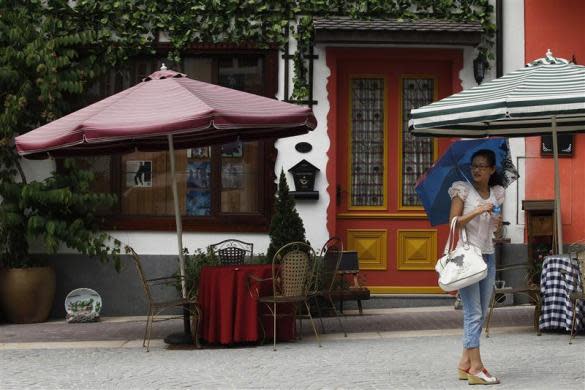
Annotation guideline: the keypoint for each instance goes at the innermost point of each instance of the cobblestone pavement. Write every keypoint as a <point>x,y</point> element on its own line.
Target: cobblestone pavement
<point>396,359</point>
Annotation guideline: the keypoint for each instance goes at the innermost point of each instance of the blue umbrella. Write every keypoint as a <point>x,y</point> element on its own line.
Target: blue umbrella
<point>455,165</point>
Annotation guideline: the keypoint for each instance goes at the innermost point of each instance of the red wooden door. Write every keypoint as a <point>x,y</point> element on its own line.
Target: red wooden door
<point>377,163</point>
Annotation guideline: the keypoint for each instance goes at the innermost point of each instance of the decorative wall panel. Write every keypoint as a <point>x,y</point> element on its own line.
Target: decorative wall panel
<point>417,249</point>
<point>371,246</point>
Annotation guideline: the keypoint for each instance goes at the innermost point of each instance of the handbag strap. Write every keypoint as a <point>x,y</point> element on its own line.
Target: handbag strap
<point>450,239</point>
<point>450,245</point>
<point>464,235</point>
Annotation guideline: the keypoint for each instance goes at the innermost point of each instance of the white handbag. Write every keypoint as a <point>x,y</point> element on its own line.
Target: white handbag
<point>461,266</point>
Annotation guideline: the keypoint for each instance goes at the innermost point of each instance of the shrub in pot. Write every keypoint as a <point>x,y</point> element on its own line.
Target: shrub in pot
<point>46,72</point>
<point>194,263</point>
<point>60,210</point>
<point>286,224</point>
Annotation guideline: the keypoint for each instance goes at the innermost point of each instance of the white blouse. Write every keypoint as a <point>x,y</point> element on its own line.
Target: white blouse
<point>480,229</point>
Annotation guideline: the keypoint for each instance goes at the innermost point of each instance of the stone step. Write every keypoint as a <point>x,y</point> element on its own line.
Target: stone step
<point>387,301</point>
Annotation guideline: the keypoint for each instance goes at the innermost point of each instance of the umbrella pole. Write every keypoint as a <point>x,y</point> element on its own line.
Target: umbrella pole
<point>185,337</point>
<point>557,187</point>
<point>177,215</point>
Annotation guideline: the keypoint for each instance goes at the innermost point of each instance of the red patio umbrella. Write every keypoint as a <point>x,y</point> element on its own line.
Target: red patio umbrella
<point>167,110</point>
<point>166,103</point>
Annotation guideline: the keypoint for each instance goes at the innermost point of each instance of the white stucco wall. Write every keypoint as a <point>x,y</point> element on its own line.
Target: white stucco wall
<point>513,58</point>
<point>37,170</point>
<point>313,212</point>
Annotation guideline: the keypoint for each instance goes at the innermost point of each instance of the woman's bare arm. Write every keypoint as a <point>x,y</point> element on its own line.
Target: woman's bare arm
<point>457,211</point>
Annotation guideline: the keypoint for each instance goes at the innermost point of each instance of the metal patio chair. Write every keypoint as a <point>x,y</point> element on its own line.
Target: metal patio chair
<point>578,293</point>
<point>232,251</point>
<point>292,274</point>
<point>156,307</point>
<point>325,276</point>
<point>529,289</point>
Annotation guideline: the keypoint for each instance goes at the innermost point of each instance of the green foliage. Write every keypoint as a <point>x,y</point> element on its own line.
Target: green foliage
<point>59,210</point>
<point>195,262</point>
<point>73,43</point>
<point>193,265</point>
<point>43,69</point>
<point>50,53</point>
<point>286,224</point>
<point>304,11</point>
<point>540,251</point>
<point>261,258</point>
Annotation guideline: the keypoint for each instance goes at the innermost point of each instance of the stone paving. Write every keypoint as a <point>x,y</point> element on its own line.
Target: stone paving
<point>368,359</point>
<point>373,320</point>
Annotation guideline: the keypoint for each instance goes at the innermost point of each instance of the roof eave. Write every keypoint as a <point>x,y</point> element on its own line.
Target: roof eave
<point>452,38</point>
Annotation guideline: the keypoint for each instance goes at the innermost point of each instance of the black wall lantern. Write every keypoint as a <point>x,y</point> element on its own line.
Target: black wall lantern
<point>480,66</point>
<point>304,178</point>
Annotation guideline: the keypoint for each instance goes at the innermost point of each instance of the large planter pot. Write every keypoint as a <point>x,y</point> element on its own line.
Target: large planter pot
<point>26,294</point>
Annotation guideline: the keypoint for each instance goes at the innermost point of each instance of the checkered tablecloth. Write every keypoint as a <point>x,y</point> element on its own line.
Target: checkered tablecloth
<point>555,288</point>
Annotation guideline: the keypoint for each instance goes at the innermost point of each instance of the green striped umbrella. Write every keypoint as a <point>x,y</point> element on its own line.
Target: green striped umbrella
<point>547,96</point>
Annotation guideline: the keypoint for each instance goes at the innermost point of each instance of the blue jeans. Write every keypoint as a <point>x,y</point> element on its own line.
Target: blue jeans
<point>476,300</point>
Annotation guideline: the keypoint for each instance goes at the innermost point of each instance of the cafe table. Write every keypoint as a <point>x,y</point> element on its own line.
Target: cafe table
<point>559,277</point>
<point>229,307</point>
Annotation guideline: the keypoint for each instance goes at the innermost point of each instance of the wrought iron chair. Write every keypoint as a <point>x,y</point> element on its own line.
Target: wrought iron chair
<point>530,290</point>
<point>578,281</point>
<point>292,274</point>
<point>156,307</point>
<point>326,273</point>
<point>232,251</point>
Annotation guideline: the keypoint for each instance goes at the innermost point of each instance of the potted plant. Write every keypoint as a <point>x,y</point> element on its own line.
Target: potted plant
<point>194,263</point>
<point>46,72</point>
<point>261,258</point>
<point>286,224</point>
<point>60,210</point>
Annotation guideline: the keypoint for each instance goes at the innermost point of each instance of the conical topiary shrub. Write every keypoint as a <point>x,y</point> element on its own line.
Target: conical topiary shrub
<point>286,224</point>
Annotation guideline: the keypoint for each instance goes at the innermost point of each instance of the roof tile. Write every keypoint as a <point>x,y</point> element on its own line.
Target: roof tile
<point>346,23</point>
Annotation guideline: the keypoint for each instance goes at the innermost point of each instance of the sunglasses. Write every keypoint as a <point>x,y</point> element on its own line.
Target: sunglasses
<point>480,167</point>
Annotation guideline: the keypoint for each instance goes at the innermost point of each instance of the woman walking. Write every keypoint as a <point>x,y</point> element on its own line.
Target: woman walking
<point>476,206</point>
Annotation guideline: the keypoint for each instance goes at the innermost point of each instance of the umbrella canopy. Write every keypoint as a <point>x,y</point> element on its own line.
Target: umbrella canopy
<point>518,104</point>
<point>547,96</point>
<point>166,103</point>
<point>455,165</point>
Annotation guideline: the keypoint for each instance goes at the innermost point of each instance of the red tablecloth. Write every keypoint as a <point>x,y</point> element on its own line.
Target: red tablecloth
<point>229,313</point>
